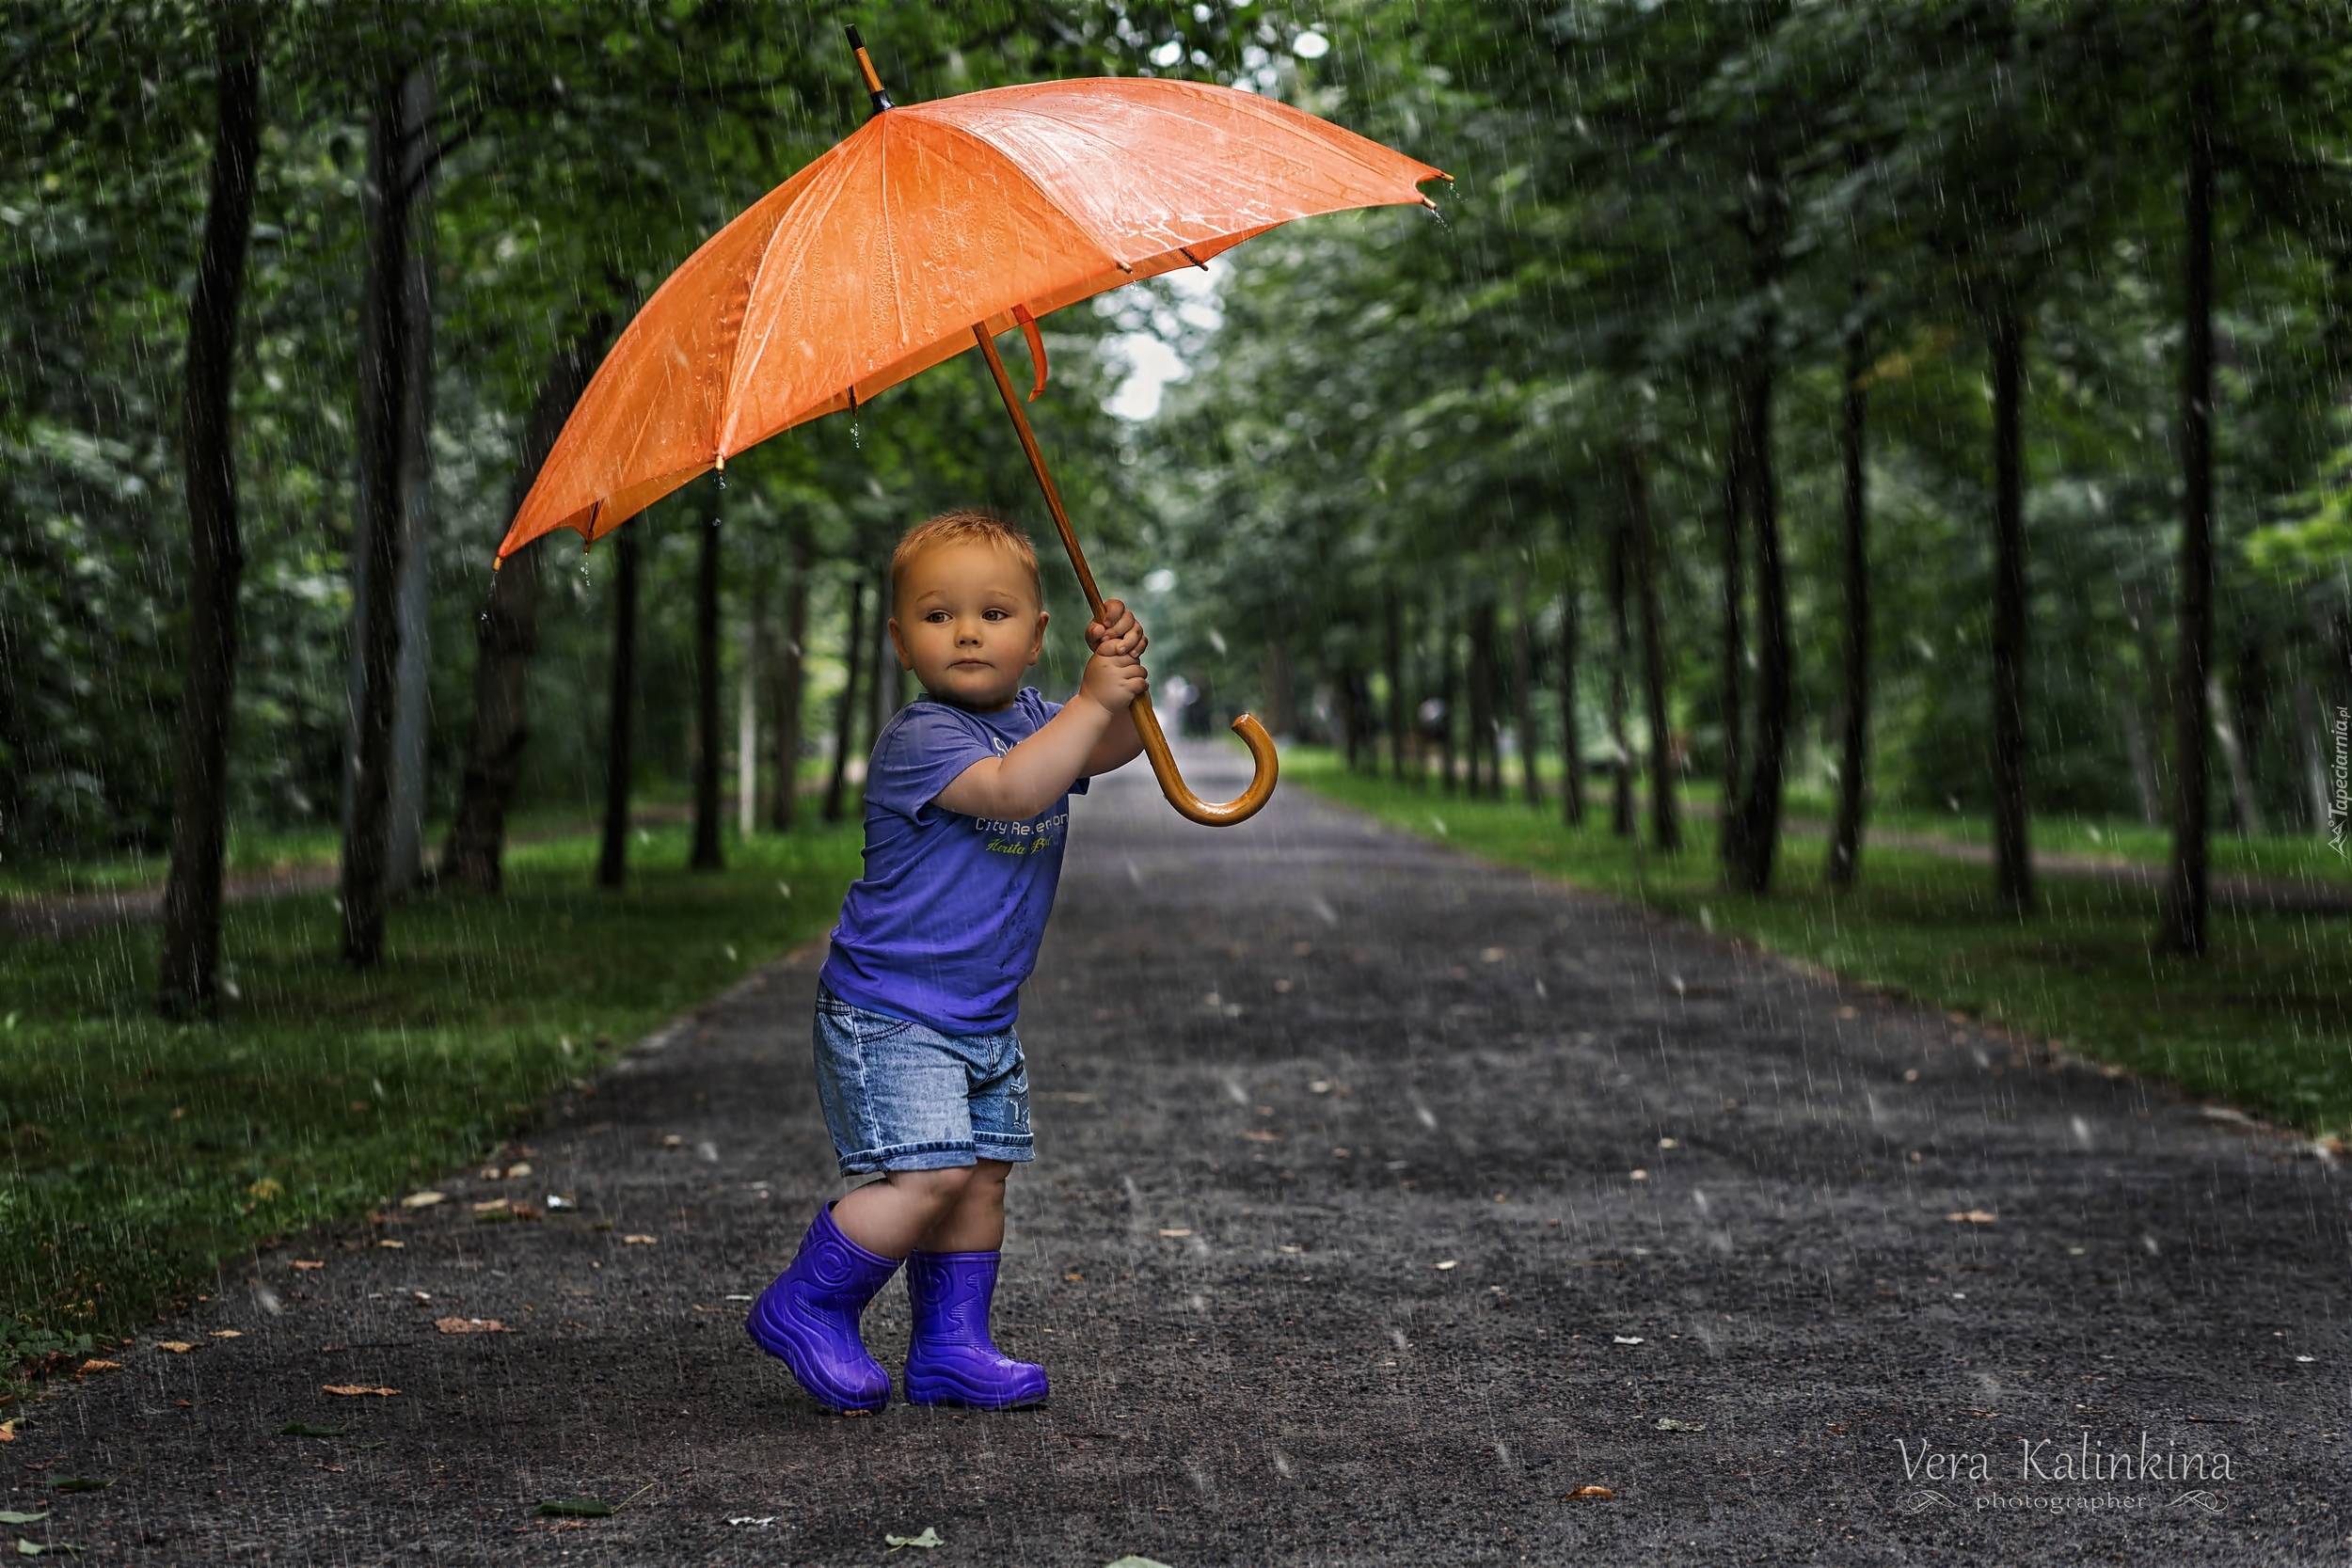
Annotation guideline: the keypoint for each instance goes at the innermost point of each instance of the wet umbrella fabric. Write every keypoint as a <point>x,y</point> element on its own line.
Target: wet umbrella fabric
<point>934,225</point>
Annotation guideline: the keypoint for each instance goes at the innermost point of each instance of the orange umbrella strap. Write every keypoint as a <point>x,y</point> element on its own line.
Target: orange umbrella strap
<point>1037,347</point>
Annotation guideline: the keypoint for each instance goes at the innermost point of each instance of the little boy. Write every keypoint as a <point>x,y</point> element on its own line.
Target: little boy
<point>923,1086</point>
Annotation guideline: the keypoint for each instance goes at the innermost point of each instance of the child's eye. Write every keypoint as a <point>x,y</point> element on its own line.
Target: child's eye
<point>937,617</point>
<point>995,614</point>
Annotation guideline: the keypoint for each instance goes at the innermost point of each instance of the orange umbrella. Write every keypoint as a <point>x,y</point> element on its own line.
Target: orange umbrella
<point>934,226</point>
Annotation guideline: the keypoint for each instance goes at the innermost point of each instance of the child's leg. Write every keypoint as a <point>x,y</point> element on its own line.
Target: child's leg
<point>895,1214</point>
<point>975,1223</point>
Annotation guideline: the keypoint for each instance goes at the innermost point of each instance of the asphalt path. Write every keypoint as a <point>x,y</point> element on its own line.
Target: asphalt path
<point>1385,1199</point>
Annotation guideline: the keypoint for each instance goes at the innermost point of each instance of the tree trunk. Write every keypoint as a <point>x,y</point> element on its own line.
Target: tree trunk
<point>1281,709</point>
<point>199,805</point>
<point>1391,620</point>
<point>1571,737</point>
<point>386,364</point>
<point>1731,703</point>
<point>709,854</point>
<point>621,713</point>
<point>2186,892</point>
<point>1483,737</point>
<point>1447,696</point>
<point>1621,651</point>
<point>845,712</point>
<point>2229,733</point>
<point>747,711</point>
<point>506,636</point>
<point>791,683</point>
<point>2011,857</point>
<point>1664,816</point>
<point>1523,701</point>
<point>403,844</point>
<point>1759,816</point>
<point>1845,839</point>
<point>888,680</point>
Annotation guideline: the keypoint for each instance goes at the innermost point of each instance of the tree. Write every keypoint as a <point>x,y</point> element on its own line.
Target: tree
<point>620,714</point>
<point>192,896</point>
<point>1854,704</point>
<point>2185,893</point>
<point>507,636</point>
<point>399,159</point>
<point>709,854</point>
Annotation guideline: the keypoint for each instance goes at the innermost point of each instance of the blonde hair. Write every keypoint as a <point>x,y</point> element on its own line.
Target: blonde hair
<point>964,526</point>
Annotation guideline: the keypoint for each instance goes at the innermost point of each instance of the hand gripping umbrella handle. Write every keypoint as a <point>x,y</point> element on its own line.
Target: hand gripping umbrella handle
<point>1209,814</point>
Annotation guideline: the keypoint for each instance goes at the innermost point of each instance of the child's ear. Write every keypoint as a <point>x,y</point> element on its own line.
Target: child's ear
<point>1037,643</point>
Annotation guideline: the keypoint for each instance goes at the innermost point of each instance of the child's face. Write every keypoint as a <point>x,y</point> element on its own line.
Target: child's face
<point>968,623</point>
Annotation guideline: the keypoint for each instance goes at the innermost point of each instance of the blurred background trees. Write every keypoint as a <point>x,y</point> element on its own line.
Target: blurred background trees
<point>1792,407</point>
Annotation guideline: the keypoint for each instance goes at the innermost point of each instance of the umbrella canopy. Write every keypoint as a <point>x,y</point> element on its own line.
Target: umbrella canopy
<point>879,259</point>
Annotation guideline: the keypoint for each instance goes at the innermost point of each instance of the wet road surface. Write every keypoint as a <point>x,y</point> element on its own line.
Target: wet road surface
<point>1385,1198</point>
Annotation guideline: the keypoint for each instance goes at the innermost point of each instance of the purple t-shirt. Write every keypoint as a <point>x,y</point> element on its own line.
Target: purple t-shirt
<point>945,925</point>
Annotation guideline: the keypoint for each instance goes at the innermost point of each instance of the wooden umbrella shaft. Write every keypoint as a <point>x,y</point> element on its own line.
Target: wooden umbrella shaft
<point>1156,747</point>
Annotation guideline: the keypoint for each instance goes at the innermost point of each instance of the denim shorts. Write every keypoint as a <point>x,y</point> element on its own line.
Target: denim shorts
<point>900,1096</point>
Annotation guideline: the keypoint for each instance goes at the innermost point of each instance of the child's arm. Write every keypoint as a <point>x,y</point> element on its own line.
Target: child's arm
<point>1036,774</point>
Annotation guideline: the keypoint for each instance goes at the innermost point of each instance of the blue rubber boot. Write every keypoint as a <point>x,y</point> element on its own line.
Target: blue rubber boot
<point>809,1318</point>
<point>952,1360</point>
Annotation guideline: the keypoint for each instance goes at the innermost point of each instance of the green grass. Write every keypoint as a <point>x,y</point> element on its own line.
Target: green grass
<point>141,1153</point>
<point>2264,1022</point>
<point>2302,855</point>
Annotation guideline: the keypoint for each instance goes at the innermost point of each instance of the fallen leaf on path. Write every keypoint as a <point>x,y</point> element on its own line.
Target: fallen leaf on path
<point>266,1189</point>
<point>761,1523</point>
<point>521,1169</point>
<point>638,1241</point>
<point>1176,1232</point>
<point>928,1538</point>
<point>1626,1338</point>
<point>177,1347</point>
<point>1139,1563</point>
<point>577,1508</point>
<point>8,1429</point>
<point>423,1200</point>
<point>1667,1423</point>
<point>1973,1216</point>
<point>34,1548</point>
<point>303,1429</point>
<point>94,1365</point>
<point>470,1325</point>
<point>1449,1263</point>
<point>1594,1492</point>
<point>78,1483</point>
<point>354,1390</point>
<point>12,1516</point>
<point>1263,1136</point>
<point>395,1245</point>
<point>307,1262</point>
<point>495,1203</point>
<point>229,1333</point>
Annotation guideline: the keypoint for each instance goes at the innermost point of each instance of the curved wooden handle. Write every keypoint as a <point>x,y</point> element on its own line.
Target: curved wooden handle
<point>1208,812</point>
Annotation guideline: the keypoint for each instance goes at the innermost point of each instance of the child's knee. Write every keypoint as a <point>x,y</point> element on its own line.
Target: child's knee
<point>935,1189</point>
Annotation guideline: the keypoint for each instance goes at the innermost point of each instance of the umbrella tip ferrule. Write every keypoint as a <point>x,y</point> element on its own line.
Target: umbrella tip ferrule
<point>874,89</point>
